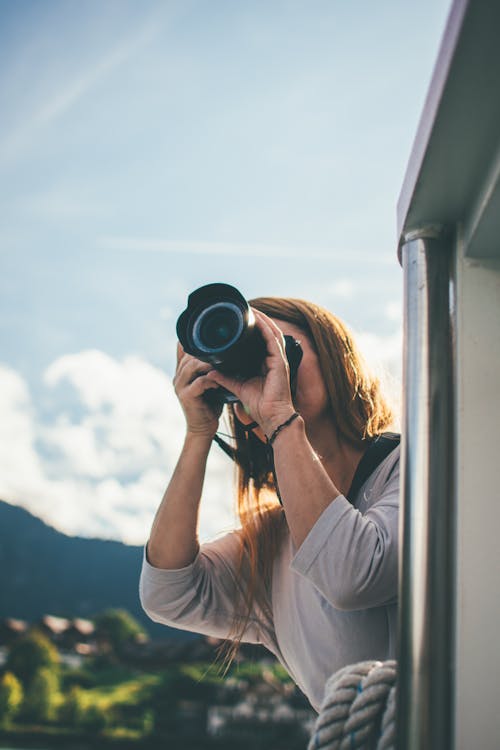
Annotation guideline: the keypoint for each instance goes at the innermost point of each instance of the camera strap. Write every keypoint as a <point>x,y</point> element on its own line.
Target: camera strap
<point>228,449</point>
<point>377,451</point>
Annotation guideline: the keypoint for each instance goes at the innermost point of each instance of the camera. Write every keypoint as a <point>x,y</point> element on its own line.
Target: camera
<point>218,326</point>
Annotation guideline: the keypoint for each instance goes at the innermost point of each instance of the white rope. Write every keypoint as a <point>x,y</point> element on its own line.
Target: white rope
<point>358,710</point>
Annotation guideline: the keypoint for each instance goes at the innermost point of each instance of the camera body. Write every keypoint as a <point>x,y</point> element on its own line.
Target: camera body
<point>218,326</point>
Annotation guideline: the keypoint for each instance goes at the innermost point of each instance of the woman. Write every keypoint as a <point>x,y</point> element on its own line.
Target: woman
<point>310,574</point>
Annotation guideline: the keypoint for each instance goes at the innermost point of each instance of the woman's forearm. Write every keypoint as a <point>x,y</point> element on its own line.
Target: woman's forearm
<point>173,542</point>
<point>305,487</point>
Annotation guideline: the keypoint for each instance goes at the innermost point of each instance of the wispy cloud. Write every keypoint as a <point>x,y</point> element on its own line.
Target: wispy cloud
<point>62,202</point>
<point>255,250</point>
<point>64,99</point>
<point>59,102</point>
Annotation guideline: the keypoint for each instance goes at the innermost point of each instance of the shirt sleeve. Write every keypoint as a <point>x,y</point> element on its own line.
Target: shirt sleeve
<point>352,557</point>
<point>201,597</point>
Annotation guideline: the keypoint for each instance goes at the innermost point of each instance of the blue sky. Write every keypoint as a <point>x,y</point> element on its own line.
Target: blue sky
<point>147,148</point>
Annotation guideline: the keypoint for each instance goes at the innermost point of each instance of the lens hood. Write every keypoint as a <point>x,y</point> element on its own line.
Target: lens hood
<point>218,326</point>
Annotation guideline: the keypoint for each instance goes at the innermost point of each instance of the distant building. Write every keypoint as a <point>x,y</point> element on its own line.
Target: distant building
<point>258,710</point>
<point>69,635</point>
<point>53,627</point>
<point>10,629</point>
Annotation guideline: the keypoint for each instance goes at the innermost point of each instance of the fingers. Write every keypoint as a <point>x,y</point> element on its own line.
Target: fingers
<point>189,368</point>
<point>200,385</point>
<point>194,371</point>
<point>231,384</point>
<point>180,352</point>
<point>272,335</point>
<point>269,322</point>
<point>190,380</point>
<point>191,384</point>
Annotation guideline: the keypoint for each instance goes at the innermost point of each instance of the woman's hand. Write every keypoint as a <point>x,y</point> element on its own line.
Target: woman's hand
<point>266,398</point>
<point>191,382</point>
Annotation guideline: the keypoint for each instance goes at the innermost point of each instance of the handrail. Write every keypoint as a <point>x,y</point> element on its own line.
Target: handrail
<point>424,691</point>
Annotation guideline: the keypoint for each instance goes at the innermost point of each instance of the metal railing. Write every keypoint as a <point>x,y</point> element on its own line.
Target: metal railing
<point>424,717</point>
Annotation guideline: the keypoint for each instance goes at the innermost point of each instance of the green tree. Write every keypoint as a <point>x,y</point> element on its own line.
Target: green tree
<point>174,686</point>
<point>11,697</point>
<point>41,696</point>
<point>77,711</point>
<point>95,719</point>
<point>72,710</point>
<point>116,628</point>
<point>29,654</point>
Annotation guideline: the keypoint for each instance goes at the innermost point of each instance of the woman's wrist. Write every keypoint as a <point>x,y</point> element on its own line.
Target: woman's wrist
<point>282,426</point>
<point>198,439</point>
<point>279,424</point>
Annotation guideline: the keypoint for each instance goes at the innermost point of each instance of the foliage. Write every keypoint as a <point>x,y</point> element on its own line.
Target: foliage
<point>11,697</point>
<point>116,628</point>
<point>179,684</point>
<point>105,673</point>
<point>72,709</point>
<point>95,719</point>
<point>29,654</point>
<point>84,677</point>
<point>127,692</point>
<point>112,700</point>
<point>78,711</point>
<point>203,672</point>
<point>41,696</point>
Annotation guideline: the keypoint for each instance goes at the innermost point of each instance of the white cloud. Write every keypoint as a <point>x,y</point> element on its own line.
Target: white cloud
<point>20,465</point>
<point>394,311</point>
<point>253,250</point>
<point>102,472</point>
<point>382,352</point>
<point>384,356</point>
<point>342,288</point>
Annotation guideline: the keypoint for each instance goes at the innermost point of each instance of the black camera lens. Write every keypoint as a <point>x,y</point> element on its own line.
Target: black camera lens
<point>218,327</point>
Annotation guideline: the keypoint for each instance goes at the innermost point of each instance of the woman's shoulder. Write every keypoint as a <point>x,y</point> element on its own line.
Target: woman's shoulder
<point>383,483</point>
<point>388,470</point>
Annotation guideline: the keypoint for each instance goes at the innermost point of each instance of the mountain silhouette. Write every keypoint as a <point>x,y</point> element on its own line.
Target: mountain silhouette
<point>43,571</point>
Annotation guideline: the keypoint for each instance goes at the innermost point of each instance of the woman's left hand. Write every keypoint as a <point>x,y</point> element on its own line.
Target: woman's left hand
<point>266,398</point>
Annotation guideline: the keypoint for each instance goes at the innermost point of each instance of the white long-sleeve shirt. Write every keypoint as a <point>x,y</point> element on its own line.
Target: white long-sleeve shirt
<point>333,600</point>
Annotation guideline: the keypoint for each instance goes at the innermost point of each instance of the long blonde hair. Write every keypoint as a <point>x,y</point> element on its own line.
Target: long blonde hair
<point>359,411</point>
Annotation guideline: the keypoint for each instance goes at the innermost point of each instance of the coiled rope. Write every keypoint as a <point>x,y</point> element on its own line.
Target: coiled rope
<point>359,709</point>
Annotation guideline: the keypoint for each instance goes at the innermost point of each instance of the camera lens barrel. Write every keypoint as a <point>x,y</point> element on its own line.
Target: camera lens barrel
<point>218,326</point>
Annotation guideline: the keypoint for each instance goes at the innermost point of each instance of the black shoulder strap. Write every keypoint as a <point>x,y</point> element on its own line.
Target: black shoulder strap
<point>379,448</point>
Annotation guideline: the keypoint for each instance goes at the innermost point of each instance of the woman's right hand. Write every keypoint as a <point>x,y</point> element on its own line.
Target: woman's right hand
<point>191,384</point>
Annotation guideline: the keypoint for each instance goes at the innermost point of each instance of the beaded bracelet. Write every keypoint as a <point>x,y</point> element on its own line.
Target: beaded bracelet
<point>270,440</point>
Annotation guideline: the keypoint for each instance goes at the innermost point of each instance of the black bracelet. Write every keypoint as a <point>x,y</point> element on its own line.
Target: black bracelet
<point>270,440</point>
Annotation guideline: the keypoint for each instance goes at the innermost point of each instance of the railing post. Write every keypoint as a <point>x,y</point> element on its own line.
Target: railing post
<point>426,601</point>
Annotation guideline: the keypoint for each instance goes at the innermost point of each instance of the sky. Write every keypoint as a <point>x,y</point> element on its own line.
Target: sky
<point>148,148</point>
